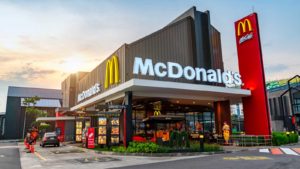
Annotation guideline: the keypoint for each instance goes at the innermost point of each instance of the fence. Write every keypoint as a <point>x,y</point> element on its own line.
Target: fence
<point>248,140</point>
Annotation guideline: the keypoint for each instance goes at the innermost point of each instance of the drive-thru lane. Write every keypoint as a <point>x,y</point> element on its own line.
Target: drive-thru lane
<point>9,156</point>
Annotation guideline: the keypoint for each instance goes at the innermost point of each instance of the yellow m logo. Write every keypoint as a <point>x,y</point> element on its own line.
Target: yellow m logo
<point>242,25</point>
<point>112,72</point>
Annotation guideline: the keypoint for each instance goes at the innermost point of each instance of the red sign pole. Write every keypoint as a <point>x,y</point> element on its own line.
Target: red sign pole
<point>256,113</point>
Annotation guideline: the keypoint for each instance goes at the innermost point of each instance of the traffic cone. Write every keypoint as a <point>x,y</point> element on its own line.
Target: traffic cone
<point>31,148</point>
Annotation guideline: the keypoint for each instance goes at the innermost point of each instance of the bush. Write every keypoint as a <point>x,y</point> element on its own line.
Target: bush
<point>149,147</point>
<point>281,138</point>
<point>136,147</point>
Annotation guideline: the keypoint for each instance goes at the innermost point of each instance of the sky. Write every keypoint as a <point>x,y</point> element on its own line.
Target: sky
<point>42,42</point>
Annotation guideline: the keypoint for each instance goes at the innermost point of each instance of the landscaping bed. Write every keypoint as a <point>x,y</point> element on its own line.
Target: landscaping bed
<point>153,149</point>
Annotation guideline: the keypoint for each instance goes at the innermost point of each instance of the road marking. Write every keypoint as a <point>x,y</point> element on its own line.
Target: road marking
<point>248,158</point>
<point>264,150</point>
<point>9,147</point>
<point>1,156</point>
<point>39,156</point>
<point>296,149</point>
<point>276,151</point>
<point>288,151</point>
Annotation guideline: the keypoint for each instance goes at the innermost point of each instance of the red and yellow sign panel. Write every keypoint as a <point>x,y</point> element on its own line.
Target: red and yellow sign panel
<point>256,115</point>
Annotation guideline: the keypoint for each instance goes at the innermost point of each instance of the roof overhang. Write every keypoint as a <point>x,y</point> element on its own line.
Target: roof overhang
<point>165,89</point>
<point>62,118</point>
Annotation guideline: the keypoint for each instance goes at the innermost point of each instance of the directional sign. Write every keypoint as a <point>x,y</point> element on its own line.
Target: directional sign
<point>116,106</point>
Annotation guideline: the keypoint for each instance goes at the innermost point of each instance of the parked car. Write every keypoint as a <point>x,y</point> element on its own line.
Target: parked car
<point>50,139</point>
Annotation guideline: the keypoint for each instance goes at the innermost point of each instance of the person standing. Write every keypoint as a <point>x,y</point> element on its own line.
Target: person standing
<point>226,132</point>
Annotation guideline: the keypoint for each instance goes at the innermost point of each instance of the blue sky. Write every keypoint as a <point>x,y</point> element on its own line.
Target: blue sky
<point>41,42</point>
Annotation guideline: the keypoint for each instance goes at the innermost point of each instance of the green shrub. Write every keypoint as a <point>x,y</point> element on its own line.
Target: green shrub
<point>136,147</point>
<point>149,147</point>
<point>281,138</point>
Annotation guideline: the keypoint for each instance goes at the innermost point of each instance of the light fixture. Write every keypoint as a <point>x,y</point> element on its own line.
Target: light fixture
<point>194,102</point>
<point>177,101</point>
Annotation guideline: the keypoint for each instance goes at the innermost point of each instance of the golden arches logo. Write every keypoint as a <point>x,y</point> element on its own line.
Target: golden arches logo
<point>242,25</point>
<point>112,72</point>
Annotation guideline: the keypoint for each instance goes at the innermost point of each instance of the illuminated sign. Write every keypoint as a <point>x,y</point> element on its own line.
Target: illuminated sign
<point>175,70</point>
<point>243,27</point>
<point>88,93</point>
<point>112,72</point>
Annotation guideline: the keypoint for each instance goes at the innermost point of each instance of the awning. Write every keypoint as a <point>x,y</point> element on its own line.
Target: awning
<point>163,119</point>
<point>63,118</point>
<point>166,89</point>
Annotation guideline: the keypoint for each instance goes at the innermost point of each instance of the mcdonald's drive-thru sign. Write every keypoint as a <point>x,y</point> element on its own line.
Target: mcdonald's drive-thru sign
<point>255,107</point>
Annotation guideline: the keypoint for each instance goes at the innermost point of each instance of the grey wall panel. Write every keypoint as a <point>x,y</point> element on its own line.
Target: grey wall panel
<point>171,44</point>
<point>97,75</point>
<point>14,119</point>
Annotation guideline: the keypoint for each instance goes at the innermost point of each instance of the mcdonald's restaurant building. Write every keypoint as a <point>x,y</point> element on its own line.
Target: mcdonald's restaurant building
<point>172,76</point>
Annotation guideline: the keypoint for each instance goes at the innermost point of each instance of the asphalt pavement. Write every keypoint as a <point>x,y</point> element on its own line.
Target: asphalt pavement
<point>237,160</point>
<point>9,156</point>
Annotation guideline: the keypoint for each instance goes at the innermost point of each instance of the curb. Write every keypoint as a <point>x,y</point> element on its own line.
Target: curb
<point>162,154</point>
<point>152,154</point>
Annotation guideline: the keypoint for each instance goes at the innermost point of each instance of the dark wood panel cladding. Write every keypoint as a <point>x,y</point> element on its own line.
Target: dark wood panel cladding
<point>173,43</point>
<point>97,75</point>
<point>217,59</point>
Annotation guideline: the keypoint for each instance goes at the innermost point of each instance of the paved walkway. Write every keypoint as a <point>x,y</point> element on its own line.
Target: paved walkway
<point>70,157</point>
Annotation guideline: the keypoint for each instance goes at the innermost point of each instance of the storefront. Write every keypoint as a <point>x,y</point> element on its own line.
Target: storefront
<point>172,79</point>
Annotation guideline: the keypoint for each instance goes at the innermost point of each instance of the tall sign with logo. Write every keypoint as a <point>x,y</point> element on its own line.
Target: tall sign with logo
<point>256,113</point>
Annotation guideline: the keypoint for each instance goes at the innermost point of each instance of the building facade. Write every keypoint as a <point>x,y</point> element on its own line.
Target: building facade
<point>284,104</point>
<point>173,78</point>
<point>15,122</point>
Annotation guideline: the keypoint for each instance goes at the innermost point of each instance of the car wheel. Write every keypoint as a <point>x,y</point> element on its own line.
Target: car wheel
<point>57,145</point>
<point>43,145</point>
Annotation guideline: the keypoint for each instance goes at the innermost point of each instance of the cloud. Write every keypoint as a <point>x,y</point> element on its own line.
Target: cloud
<point>27,73</point>
<point>276,68</point>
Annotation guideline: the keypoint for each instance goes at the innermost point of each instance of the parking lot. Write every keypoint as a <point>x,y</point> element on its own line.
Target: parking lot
<point>70,156</point>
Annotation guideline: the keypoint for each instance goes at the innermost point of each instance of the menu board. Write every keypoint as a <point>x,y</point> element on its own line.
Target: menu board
<point>115,130</point>
<point>78,131</point>
<point>102,130</point>
<point>101,139</point>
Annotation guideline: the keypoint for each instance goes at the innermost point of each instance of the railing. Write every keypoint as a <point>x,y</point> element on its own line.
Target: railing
<point>248,140</point>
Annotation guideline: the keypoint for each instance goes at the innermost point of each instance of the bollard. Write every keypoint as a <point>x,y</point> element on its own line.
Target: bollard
<point>201,142</point>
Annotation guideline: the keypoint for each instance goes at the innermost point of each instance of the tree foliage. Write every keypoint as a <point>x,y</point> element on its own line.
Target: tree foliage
<point>31,109</point>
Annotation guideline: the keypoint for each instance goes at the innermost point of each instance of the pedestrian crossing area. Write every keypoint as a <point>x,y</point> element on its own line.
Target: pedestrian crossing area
<point>281,151</point>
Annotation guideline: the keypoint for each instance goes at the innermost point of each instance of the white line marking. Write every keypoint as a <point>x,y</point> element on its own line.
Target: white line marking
<point>8,147</point>
<point>289,151</point>
<point>264,150</point>
<point>1,156</point>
